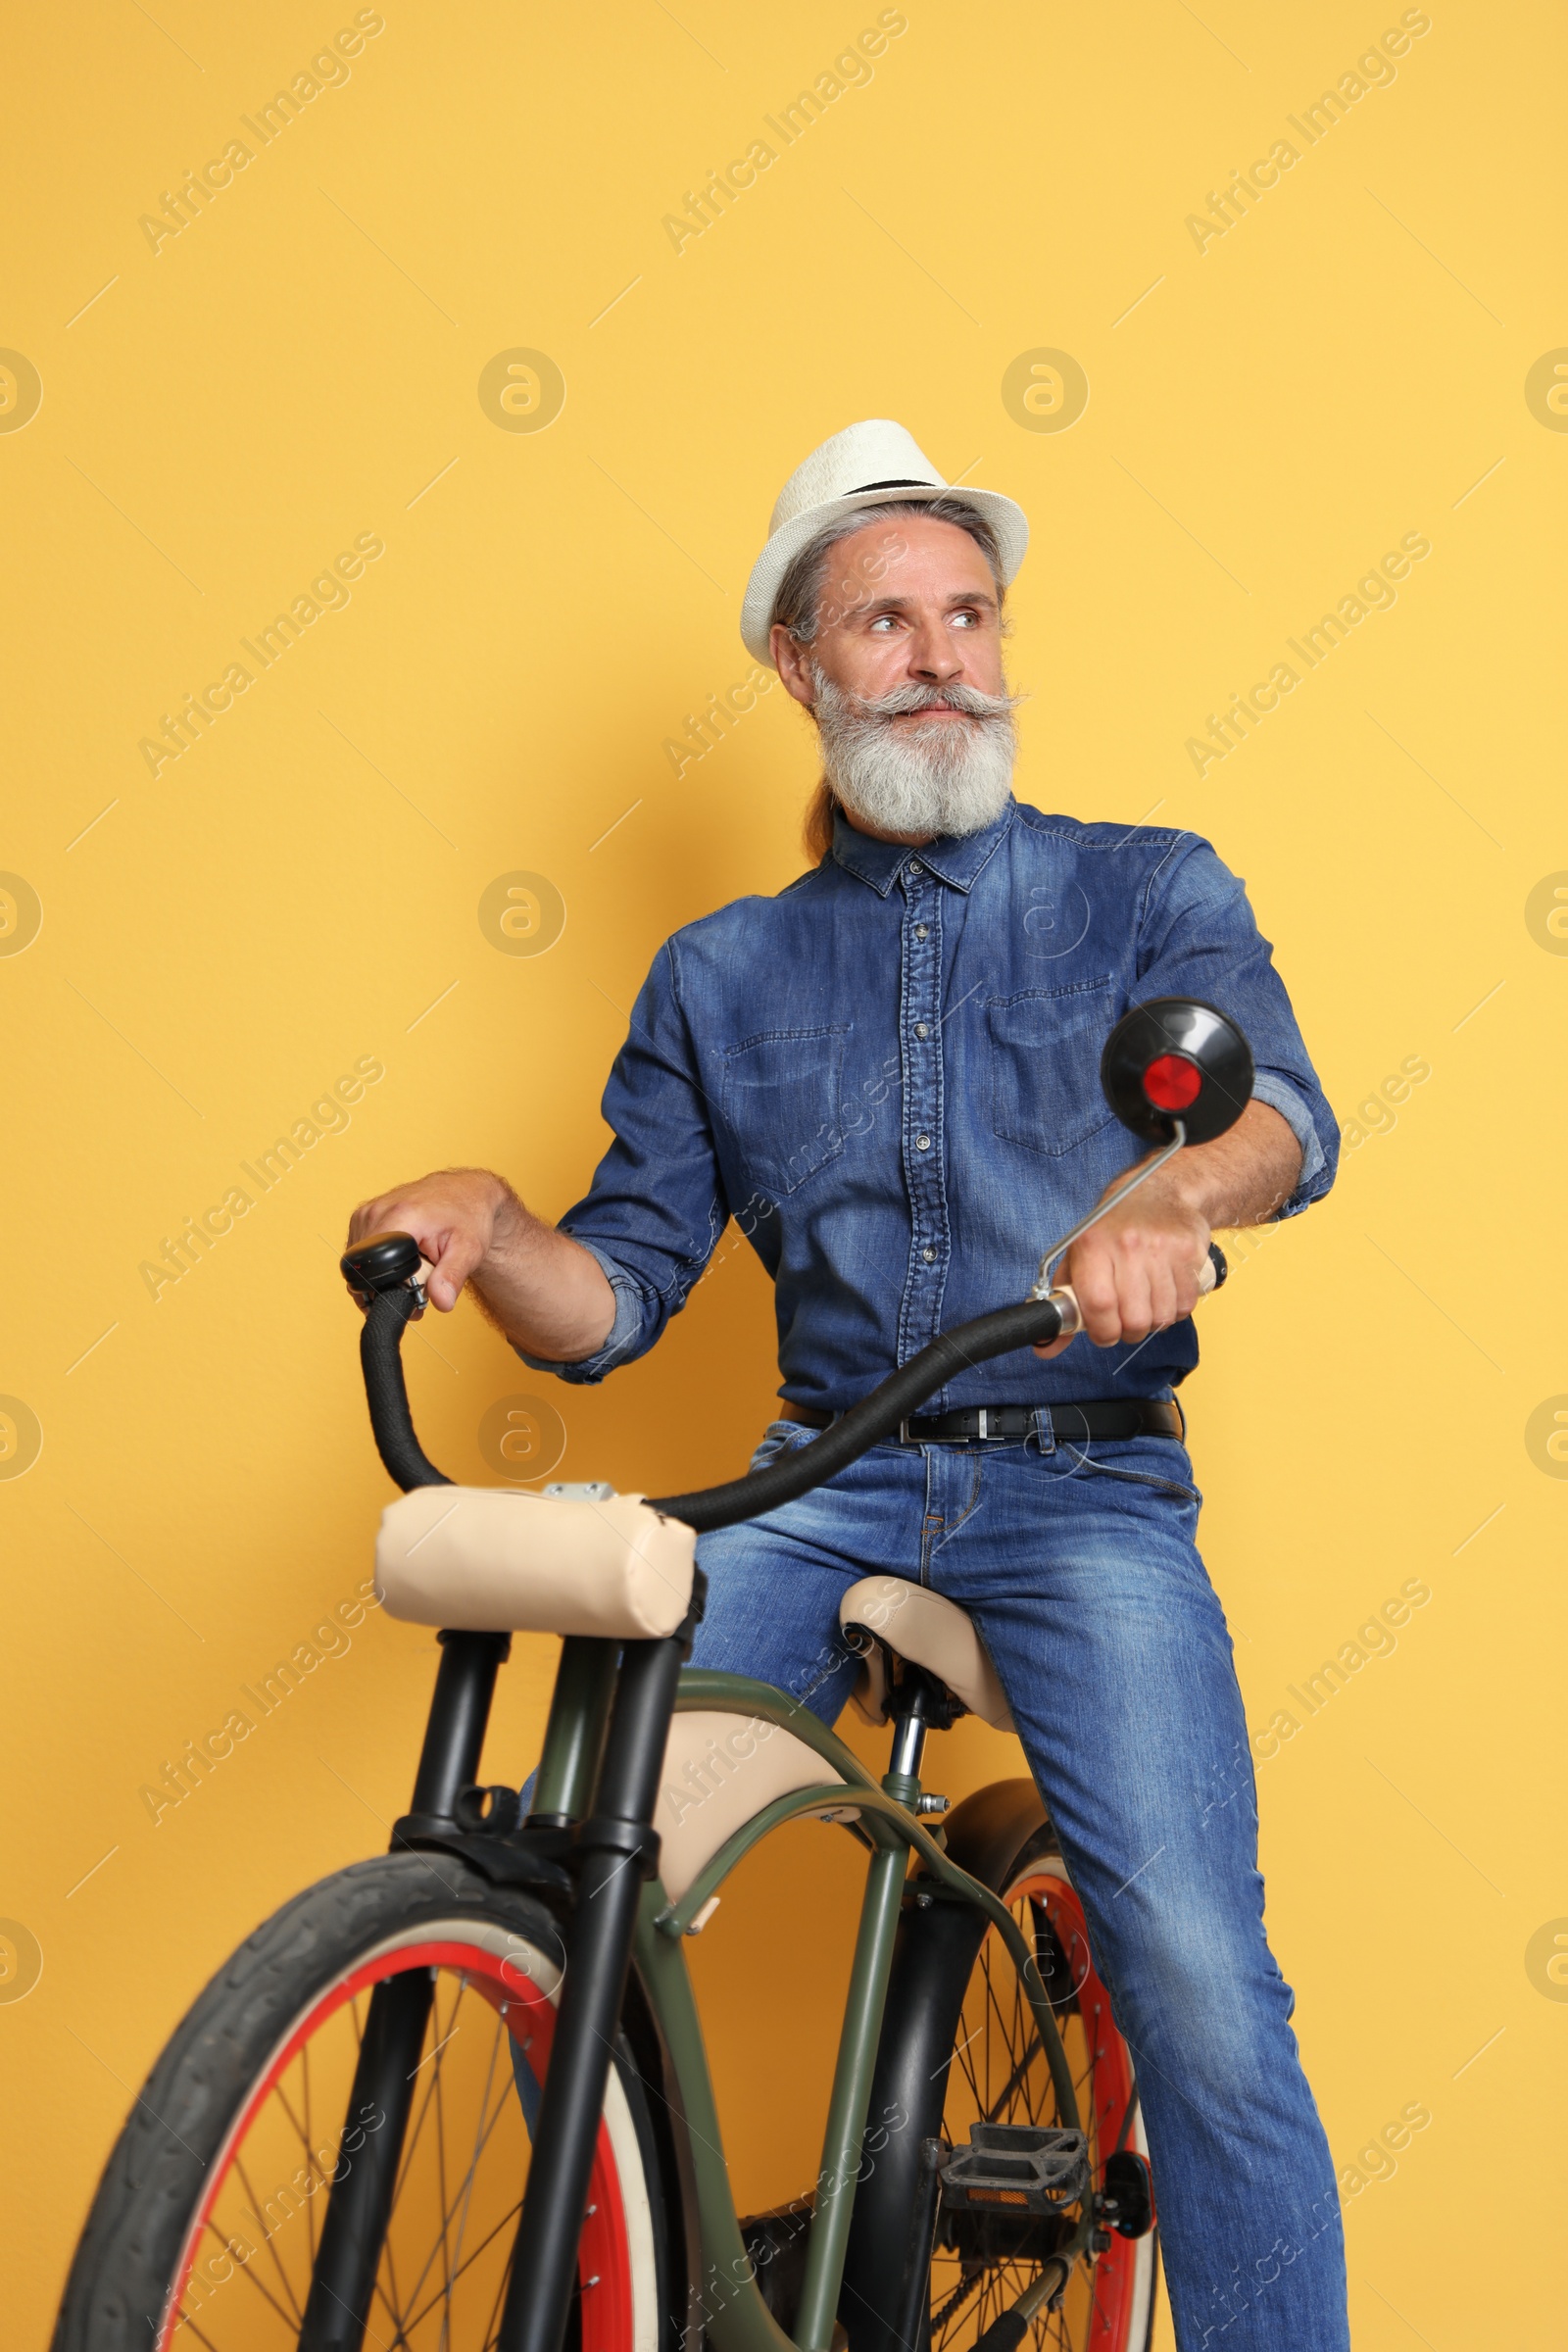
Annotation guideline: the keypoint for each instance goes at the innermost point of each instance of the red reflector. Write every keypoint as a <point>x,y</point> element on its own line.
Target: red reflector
<point>1172,1082</point>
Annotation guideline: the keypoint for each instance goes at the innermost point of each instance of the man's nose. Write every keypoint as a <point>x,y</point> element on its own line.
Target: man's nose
<point>933,656</point>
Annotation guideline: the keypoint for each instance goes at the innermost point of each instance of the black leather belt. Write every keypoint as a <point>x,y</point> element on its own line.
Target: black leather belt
<point>1070,1424</point>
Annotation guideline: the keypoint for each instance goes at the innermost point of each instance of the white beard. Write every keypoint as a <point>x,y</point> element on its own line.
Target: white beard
<point>952,777</point>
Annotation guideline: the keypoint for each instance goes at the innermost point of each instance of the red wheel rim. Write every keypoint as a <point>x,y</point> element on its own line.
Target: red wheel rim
<point>607,2300</point>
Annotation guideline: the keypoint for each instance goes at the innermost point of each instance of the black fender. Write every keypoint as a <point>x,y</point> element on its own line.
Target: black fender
<point>988,1835</point>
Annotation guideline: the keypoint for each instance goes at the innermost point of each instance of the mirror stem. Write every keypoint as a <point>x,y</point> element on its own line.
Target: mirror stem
<point>1042,1286</point>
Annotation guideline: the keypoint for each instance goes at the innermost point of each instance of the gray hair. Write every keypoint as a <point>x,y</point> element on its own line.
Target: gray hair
<point>798,606</point>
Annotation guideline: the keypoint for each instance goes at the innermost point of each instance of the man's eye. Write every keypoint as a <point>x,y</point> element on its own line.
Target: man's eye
<point>885,621</point>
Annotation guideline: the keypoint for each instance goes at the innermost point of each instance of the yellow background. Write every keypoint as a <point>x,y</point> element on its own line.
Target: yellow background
<point>300,365</point>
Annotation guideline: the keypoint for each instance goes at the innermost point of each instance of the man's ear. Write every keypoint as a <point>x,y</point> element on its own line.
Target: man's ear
<point>792,662</point>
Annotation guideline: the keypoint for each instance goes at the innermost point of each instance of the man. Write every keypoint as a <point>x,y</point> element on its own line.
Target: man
<point>888,1076</point>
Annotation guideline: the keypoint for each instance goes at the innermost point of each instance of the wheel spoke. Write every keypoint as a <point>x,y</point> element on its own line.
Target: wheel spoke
<point>488,2239</point>
<point>499,2041</point>
<point>267,2241</point>
<point>492,2328</point>
<point>303,2129</point>
<point>1020,2070</point>
<point>466,2185</point>
<point>309,2141</point>
<point>410,2144</point>
<point>966,2065</point>
<point>433,2100</point>
<point>427,2101</point>
<point>389,2292</point>
<point>266,2295</point>
<point>992,2004</point>
<point>956,2301</point>
<point>439,2055</point>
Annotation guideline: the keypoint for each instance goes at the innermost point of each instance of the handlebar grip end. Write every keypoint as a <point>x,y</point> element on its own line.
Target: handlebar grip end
<point>1064,1299</point>
<point>387,1261</point>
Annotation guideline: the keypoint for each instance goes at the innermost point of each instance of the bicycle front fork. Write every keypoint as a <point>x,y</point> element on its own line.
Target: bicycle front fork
<point>360,2208</point>
<point>615,1848</point>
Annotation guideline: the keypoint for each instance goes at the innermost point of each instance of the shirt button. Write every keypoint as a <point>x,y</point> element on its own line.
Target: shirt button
<point>922,930</point>
<point>922,1142</point>
<point>922,1028</point>
<point>915,867</point>
<point>929,1255</point>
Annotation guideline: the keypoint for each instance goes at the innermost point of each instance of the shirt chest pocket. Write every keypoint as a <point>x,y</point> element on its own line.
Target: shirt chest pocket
<point>781,1103</point>
<point>1045,1065</point>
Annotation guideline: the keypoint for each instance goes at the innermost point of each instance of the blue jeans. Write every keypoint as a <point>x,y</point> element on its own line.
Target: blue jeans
<point>1080,1568</point>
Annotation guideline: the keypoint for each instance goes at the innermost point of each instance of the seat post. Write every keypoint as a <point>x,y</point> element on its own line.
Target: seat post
<point>912,1721</point>
<point>908,1746</point>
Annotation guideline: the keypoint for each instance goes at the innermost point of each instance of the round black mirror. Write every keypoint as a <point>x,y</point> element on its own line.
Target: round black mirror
<point>1176,1058</point>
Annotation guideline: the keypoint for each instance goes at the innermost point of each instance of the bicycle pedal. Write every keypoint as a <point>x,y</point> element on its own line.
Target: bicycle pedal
<point>1025,2166</point>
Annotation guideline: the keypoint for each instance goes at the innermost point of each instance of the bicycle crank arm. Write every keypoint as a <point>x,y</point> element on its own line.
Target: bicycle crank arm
<point>1013,2327</point>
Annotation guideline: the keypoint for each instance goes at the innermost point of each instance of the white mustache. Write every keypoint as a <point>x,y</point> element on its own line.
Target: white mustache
<point>901,702</point>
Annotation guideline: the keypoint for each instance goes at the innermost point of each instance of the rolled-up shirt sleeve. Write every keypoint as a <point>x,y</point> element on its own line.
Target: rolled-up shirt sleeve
<point>655,1206</point>
<point>1197,938</point>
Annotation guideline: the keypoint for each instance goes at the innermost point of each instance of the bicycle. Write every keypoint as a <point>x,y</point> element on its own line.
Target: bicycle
<point>457,2097</point>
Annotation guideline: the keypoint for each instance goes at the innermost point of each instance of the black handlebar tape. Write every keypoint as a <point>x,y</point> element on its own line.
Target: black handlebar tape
<point>390,1419</point>
<point>1033,1324</point>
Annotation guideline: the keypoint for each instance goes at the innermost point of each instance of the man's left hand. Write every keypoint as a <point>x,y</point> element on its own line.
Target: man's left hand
<point>1137,1270</point>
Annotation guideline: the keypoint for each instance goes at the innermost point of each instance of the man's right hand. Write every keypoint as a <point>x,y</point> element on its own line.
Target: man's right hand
<point>458,1216</point>
<point>548,1293</point>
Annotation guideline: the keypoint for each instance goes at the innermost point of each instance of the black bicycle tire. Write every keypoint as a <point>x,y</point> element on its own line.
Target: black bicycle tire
<point>118,2286</point>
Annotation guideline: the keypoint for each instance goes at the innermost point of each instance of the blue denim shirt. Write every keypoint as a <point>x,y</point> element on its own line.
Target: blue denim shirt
<point>888,1075</point>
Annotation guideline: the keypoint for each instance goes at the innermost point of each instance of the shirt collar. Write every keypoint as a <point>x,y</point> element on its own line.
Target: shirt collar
<point>957,859</point>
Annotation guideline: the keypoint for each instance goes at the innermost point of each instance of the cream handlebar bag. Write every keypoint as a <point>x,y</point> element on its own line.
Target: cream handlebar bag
<point>482,1560</point>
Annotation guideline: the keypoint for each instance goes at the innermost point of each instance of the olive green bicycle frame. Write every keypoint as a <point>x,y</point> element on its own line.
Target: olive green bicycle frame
<point>732,2305</point>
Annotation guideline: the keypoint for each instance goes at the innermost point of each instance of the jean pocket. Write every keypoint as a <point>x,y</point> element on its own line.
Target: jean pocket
<point>1045,1065</point>
<point>779,1438</point>
<point>1144,1462</point>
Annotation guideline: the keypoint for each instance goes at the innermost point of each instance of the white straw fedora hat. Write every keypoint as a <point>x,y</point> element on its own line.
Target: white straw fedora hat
<point>869,465</point>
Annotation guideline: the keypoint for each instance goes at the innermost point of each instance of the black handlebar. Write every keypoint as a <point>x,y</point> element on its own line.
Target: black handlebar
<point>866,1424</point>
<point>381,1273</point>
<point>381,1362</point>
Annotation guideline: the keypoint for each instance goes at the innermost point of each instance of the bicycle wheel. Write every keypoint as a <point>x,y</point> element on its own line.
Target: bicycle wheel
<point>999,2074</point>
<point>207,2223</point>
